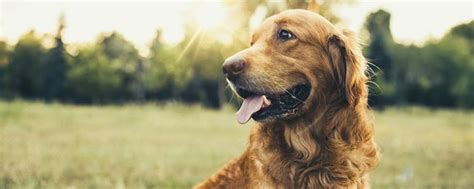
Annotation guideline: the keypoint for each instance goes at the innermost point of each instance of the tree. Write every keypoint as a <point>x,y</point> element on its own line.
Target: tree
<point>380,41</point>
<point>379,53</point>
<point>25,71</point>
<point>455,58</point>
<point>463,88</point>
<point>464,30</point>
<point>93,78</point>
<point>164,77</point>
<point>4,54</point>
<point>125,56</point>
<point>208,82</point>
<point>436,74</point>
<point>56,66</point>
<point>201,62</point>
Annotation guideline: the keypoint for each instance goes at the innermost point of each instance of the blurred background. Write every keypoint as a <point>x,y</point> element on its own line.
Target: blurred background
<point>125,94</point>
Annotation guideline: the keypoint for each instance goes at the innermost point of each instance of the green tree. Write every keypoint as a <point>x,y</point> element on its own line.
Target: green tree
<point>93,78</point>
<point>455,51</point>
<point>25,71</point>
<point>465,31</point>
<point>463,88</point>
<point>379,53</point>
<point>201,62</point>
<point>4,54</point>
<point>165,76</point>
<point>438,73</point>
<point>207,78</point>
<point>125,56</point>
<point>380,41</point>
<point>56,66</point>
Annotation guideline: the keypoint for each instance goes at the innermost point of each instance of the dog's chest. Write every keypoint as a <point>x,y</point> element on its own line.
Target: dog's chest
<point>270,168</point>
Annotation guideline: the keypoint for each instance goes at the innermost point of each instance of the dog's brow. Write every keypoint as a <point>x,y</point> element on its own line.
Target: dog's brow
<point>282,22</point>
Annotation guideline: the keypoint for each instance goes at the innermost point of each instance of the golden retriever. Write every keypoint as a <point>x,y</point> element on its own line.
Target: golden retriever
<point>304,82</point>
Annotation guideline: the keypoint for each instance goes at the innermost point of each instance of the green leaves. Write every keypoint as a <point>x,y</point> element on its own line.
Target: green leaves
<point>439,73</point>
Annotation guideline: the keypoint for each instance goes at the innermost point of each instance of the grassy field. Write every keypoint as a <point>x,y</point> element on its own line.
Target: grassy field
<point>175,146</point>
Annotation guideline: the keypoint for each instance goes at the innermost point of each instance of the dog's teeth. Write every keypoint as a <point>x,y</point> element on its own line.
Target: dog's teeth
<point>266,102</point>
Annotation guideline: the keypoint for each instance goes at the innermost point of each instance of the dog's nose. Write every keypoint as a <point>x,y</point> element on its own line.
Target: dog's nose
<point>233,67</point>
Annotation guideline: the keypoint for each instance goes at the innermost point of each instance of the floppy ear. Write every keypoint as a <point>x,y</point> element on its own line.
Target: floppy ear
<point>348,66</point>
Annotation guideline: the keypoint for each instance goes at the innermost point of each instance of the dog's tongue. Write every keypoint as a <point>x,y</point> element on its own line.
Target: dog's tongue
<point>249,106</point>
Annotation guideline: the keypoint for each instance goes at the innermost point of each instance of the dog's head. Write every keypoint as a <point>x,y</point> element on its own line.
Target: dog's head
<point>296,62</point>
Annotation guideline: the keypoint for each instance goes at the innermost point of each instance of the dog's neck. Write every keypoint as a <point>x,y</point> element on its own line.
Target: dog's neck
<point>335,147</point>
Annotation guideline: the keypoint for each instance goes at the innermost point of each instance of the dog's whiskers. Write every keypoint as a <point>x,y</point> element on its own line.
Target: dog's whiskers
<point>286,90</point>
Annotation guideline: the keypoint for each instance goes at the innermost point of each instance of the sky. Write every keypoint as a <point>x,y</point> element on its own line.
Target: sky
<point>412,21</point>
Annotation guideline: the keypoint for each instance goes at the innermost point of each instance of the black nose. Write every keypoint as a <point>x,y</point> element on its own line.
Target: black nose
<point>233,67</point>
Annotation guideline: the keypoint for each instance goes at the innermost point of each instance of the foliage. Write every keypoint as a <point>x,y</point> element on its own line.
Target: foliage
<point>438,73</point>
<point>4,55</point>
<point>111,70</point>
<point>203,59</point>
<point>26,67</point>
<point>123,55</point>
<point>93,78</point>
<point>56,62</point>
<point>159,79</point>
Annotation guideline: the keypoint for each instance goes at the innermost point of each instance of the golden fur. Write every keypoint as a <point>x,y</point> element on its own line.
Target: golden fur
<point>329,143</point>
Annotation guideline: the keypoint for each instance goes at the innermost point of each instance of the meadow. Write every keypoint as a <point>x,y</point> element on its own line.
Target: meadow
<point>174,146</point>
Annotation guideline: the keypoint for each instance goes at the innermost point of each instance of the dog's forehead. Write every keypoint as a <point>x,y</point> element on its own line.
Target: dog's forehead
<point>299,17</point>
<point>276,21</point>
<point>304,21</point>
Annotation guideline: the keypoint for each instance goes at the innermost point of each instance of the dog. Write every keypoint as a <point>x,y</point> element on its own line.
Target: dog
<point>304,82</point>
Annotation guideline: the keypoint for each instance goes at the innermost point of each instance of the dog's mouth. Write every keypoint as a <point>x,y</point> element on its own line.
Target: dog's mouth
<point>262,106</point>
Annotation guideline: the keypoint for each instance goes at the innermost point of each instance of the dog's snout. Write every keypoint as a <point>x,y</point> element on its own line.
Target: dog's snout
<point>233,67</point>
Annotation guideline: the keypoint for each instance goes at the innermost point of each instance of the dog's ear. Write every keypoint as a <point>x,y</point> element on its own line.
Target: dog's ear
<point>348,66</point>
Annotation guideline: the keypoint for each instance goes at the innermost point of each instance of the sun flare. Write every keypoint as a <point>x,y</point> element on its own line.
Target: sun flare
<point>211,16</point>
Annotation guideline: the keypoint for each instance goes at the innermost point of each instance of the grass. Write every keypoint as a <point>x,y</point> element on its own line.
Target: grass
<point>175,146</point>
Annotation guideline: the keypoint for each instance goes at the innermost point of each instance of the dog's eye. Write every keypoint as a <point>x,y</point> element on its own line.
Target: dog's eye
<point>285,34</point>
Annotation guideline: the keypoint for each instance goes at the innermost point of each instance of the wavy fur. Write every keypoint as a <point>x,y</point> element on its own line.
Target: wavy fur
<point>330,143</point>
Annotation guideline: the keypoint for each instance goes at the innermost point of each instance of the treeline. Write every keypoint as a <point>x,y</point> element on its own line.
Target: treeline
<point>439,73</point>
<point>110,70</point>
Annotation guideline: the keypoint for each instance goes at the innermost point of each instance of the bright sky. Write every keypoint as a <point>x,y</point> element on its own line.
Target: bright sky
<point>412,21</point>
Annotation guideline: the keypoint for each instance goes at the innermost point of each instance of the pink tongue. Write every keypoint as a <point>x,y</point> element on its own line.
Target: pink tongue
<point>249,106</point>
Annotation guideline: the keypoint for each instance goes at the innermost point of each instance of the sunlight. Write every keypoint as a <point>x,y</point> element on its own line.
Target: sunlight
<point>173,34</point>
<point>145,18</point>
<point>211,16</point>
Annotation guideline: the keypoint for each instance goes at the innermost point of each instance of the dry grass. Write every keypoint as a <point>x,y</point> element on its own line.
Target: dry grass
<point>174,146</point>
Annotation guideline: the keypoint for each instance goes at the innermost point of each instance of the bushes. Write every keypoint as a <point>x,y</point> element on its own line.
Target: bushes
<point>25,71</point>
<point>92,78</point>
<point>110,70</point>
<point>439,73</point>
